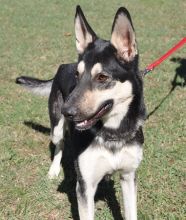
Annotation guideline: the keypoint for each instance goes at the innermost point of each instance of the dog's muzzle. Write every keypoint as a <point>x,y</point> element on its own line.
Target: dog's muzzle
<point>85,123</point>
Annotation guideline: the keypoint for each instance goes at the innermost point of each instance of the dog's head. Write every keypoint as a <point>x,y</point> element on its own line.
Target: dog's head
<point>106,73</point>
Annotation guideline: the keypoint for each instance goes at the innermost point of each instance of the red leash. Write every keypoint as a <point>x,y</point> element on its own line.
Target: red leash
<point>165,56</point>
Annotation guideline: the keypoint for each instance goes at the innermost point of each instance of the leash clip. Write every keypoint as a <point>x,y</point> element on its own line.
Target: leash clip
<point>146,71</point>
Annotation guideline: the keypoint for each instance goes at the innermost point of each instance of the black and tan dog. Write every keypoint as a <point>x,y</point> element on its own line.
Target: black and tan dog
<point>99,100</point>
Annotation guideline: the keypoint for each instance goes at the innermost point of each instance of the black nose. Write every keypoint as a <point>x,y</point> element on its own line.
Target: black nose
<point>69,112</point>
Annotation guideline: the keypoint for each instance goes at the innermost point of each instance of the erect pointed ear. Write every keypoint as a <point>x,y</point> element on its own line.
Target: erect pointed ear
<point>83,31</point>
<point>123,36</point>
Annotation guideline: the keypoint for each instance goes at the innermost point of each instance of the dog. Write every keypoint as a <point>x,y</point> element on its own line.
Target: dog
<point>99,101</point>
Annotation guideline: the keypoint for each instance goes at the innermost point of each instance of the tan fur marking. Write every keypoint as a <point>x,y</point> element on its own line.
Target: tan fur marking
<point>87,102</point>
<point>81,67</point>
<point>122,95</point>
<point>97,68</point>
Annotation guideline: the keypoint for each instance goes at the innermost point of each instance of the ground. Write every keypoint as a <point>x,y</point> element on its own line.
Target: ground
<point>37,36</point>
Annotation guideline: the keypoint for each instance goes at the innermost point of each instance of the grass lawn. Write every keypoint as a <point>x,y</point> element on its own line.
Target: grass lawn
<point>37,36</point>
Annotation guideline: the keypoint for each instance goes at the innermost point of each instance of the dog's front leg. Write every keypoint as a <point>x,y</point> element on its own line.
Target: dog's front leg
<point>57,139</point>
<point>56,163</point>
<point>128,185</point>
<point>85,197</point>
<point>89,175</point>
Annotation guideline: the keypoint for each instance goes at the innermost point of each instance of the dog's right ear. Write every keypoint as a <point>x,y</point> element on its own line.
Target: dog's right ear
<point>83,31</point>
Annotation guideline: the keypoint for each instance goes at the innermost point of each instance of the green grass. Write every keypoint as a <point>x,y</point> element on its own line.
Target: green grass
<point>37,36</point>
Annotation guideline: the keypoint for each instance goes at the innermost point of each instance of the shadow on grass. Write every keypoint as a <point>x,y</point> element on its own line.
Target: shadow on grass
<point>37,127</point>
<point>105,191</point>
<point>180,73</point>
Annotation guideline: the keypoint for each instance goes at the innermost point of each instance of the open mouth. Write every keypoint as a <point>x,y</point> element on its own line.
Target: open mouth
<point>88,123</point>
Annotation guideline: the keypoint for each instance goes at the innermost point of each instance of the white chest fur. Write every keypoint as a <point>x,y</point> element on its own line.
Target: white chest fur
<point>97,161</point>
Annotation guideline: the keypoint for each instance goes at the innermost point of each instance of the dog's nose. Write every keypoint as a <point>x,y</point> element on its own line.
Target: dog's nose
<point>69,112</point>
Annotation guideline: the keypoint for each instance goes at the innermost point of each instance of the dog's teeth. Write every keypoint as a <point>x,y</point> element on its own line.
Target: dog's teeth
<point>82,123</point>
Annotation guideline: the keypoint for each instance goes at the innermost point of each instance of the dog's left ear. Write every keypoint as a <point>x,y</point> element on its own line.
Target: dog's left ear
<point>83,31</point>
<point>123,36</point>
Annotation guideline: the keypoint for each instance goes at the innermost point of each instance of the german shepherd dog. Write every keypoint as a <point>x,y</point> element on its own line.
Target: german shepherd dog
<point>99,100</point>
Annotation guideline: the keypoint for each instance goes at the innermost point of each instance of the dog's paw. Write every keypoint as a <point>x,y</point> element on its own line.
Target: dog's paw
<point>54,171</point>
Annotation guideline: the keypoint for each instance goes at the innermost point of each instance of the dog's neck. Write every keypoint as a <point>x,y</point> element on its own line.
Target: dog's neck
<point>128,126</point>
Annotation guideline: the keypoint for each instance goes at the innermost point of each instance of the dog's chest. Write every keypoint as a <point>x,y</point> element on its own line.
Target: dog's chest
<point>100,160</point>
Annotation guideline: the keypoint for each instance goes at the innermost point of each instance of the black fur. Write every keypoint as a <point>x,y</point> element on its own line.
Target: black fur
<point>63,84</point>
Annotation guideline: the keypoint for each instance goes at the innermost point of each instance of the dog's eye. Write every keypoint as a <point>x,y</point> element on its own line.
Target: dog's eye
<point>101,78</point>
